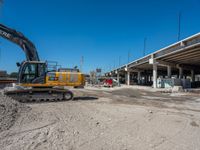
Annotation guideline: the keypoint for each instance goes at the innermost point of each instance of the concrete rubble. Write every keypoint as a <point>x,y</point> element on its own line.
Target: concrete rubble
<point>9,112</point>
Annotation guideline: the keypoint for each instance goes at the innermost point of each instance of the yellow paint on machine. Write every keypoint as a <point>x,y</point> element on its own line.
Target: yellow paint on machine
<point>75,79</point>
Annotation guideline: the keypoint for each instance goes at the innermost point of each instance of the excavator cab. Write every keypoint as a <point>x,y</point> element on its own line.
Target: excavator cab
<point>32,72</point>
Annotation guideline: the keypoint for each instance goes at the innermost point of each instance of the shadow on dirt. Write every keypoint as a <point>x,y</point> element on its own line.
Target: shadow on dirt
<point>80,98</point>
<point>84,98</point>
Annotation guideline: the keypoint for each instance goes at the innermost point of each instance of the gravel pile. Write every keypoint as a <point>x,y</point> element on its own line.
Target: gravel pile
<point>9,111</point>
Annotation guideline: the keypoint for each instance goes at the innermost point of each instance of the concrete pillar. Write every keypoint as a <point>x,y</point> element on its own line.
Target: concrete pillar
<point>139,77</point>
<point>110,74</point>
<point>169,71</point>
<point>192,76</point>
<point>180,72</point>
<point>118,78</point>
<point>149,79</point>
<point>146,79</point>
<point>128,78</point>
<point>155,74</point>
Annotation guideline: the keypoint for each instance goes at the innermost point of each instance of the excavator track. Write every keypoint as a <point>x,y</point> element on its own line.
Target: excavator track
<point>40,94</point>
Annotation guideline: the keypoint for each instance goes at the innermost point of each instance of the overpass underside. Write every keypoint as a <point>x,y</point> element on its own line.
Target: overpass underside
<point>178,63</point>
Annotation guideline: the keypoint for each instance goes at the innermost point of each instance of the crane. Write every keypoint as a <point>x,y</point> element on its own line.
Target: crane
<point>35,82</point>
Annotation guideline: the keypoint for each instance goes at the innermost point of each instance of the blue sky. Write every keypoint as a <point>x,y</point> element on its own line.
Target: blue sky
<point>100,30</point>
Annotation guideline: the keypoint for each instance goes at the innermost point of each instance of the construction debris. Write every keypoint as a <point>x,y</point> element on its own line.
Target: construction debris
<point>9,112</point>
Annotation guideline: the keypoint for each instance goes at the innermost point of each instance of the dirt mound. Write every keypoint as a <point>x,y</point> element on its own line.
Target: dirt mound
<point>9,111</point>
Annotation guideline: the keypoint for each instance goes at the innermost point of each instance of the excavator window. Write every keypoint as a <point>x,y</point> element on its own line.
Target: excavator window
<point>29,73</point>
<point>34,73</point>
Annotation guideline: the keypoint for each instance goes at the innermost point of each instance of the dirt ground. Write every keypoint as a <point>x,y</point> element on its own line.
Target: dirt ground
<point>101,119</point>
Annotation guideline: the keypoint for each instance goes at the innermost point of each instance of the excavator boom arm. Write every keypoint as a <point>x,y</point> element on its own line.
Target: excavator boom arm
<point>19,39</point>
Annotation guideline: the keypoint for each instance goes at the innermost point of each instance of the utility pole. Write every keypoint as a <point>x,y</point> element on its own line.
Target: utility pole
<point>179,26</point>
<point>1,5</point>
<point>144,49</point>
<point>129,55</point>
<point>119,61</point>
<point>81,63</point>
<point>103,70</point>
<point>0,52</point>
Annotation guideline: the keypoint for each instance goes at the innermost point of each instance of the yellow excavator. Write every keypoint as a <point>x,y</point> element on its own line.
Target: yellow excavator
<point>35,81</point>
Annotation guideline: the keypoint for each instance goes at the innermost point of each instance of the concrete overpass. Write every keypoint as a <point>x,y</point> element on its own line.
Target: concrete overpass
<point>180,60</point>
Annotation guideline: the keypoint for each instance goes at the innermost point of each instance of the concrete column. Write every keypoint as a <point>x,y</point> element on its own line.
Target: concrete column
<point>149,78</point>
<point>180,72</point>
<point>192,76</point>
<point>139,77</point>
<point>155,74</point>
<point>146,79</point>
<point>169,71</point>
<point>110,74</point>
<point>118,78</point>
<point>128,78</point>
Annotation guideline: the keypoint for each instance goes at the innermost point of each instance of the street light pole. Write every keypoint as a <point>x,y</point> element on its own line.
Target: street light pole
<point>81,63</point>
<point>129,54</point>
<point>179,26</point>
<point>144,50</point>
<point>119,61</point>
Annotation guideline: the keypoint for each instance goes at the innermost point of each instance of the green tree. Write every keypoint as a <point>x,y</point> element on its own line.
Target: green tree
<point>13,75</point>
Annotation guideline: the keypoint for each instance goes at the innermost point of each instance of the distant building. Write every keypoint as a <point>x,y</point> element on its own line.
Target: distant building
<point>3,74</point>
<point>5,80</point>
